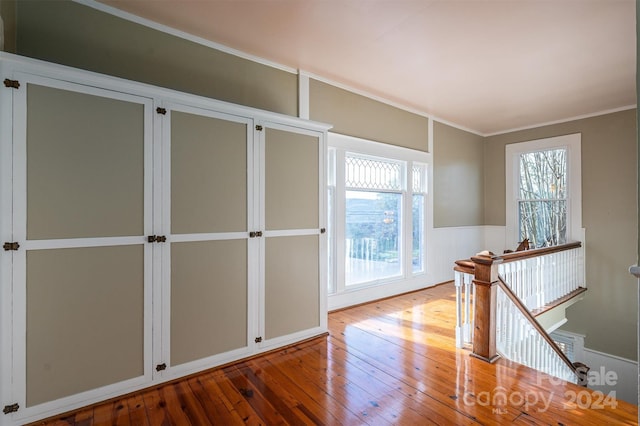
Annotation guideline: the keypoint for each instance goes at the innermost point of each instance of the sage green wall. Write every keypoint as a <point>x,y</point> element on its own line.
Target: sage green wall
<point>72,34</point>
<point>608,315</point>
<point>8,14</point>
<point>362,117</point>
<point>467,168</point>
<point>458,176</point>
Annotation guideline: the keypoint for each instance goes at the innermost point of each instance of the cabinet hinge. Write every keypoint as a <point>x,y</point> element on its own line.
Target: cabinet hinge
<point>323,230</point>
<point>157,239</point>
<point>259,128</point>
<point>14,84</point>
<point>11,408</point>
<point>161,367</point>
<point>11,246</point>
<point>162,111</point>
<point>258,339</point>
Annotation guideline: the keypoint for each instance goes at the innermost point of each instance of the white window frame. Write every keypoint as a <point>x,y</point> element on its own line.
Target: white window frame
<point>572,143</point>
<point>408,280</point>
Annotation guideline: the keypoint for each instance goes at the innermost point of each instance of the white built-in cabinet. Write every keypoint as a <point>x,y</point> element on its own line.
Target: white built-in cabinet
<point>147,235</point>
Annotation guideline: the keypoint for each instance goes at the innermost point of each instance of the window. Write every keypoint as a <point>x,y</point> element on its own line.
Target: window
<point>377,198</point>
<point>542,200</point>
<point>543,192</point>
<point>419,178</point>
<point>373,215</point>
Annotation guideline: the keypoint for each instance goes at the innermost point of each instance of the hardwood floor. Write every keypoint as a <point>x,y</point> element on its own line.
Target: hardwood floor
<point>391,362</point>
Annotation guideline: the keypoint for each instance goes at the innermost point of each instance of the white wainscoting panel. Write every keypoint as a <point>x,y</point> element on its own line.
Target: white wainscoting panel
<point>626,372</point>
<point>451,244</point>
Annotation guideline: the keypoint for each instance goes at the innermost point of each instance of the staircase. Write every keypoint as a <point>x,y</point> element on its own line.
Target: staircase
<point>507,305</point>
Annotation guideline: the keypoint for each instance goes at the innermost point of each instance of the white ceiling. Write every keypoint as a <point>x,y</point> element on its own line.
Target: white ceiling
<point>486,65</point>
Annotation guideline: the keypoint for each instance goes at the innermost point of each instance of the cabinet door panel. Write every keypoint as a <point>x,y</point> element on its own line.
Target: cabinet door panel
<point>208,298</point>
<point>85,168</point>
<point>208,174</point>
<point>291,285</point>
<point>85,319</point>
<point>291,180</point>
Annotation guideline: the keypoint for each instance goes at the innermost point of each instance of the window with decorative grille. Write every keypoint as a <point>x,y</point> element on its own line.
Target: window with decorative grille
<point>377,198</point>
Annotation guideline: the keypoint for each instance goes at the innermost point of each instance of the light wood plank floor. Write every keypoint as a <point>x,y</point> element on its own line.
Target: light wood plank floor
<point>391,362</point>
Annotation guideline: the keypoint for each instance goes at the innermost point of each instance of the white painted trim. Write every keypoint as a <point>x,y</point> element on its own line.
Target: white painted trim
<point>573,144</point>
<point>563,120</point>
<point>291,232</point>
<point>255,246</point>
<point>340,225</point>
<point>82,242</point>
<point>260,156</point>
<point>303,96</point>
<point>180,370</point>
<point>430,125</point>
<point>430,265</point>
<point>29,414</point>
<point>6,226</point>
<point>19,298</point>
<point>218,236</point>
<point>161,271</point>
<point>557,325</point>
<point>181,34</point>
<point>149,170</point>
<point>376,292</point>
<point>323,265</point>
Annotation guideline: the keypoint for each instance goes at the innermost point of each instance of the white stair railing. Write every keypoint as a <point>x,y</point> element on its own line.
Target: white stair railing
<point>464,303</point>
<point>520,338</point>
<point>540,280</point>
<point>538,277</point>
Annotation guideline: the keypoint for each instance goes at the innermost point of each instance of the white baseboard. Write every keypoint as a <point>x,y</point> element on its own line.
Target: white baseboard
<point>376,292</point>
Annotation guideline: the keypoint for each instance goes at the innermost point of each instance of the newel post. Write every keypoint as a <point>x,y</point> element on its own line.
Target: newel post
<point>485,304</point>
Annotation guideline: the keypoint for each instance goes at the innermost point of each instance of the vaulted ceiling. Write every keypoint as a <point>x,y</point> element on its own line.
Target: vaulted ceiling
<point>487,65</point>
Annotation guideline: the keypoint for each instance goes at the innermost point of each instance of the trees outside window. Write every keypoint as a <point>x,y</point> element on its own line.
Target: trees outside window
<point>543,198</point>
<point>542,204</point>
